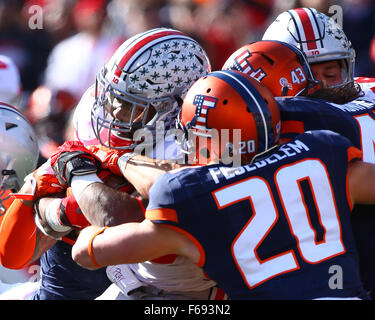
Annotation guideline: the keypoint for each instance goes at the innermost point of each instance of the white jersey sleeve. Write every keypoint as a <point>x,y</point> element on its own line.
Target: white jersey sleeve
<point>367,85</point>
<point>180,275</point>
<point>82,119</point>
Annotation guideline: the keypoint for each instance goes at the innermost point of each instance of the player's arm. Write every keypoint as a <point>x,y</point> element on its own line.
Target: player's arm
<point>130,243</point>
<point>104,205</point>
<point>361,181</point>
<point>21,242</point>
<point>135,242</point>
<point>34,221</point>
<point>42,244</point>
<point>76,166</point>
<point>142,171</point>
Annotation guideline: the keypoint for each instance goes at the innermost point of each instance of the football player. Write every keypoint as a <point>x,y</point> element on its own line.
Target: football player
<point>332,59</point>
<point>156,69</point>
<point>272,228</point>
<point>18,157</point>
<point>19,152</point>
<point>328,50</point>
<point>143,82</point>
<point>281,67</point>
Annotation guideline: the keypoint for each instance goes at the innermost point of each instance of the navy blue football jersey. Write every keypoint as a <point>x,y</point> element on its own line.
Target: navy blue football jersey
<point>356,121</point>
<point>278,228</point>
<point>63,279</point>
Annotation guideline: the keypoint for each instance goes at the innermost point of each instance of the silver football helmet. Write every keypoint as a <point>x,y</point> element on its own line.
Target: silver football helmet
<point>145,82</point>
<point>317,35</point>
<point>19,151</point>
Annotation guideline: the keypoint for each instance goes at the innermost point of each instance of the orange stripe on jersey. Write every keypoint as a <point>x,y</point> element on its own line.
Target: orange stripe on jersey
<point>292,126</point>
<point>17,236</point>
<point>202,258</point>
<point>68,240</point>
<point>348,197</point>
<point>167,259</point>
<point>162,214</point>
<point>217,294</point>
<point>354,153</point>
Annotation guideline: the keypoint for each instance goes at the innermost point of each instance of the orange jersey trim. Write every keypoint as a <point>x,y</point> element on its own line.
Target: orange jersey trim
<point>354,153</point>
<point>202,258</point>
<point>167,259</point>
<point>156,214</point>
<point>292,126</point>
<point>171,215</point>
<point>162,214</point>
<point>350,203</point>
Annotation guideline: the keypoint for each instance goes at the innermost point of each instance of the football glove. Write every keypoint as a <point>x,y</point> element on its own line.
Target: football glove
<point>73,158</point>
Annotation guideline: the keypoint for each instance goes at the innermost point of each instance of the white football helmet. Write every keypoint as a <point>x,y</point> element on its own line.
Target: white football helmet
<point>19,151</point>
<point>146,78</point>
<point>317,35</point>
<point>10,81</point>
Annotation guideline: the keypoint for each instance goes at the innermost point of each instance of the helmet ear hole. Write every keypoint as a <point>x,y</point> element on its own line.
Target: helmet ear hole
<point>225,102</point>
<point>9,125</point>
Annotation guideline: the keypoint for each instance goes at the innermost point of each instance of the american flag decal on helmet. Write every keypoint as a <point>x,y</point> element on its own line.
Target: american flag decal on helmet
<point>203,103</point>
<point>242,64</point>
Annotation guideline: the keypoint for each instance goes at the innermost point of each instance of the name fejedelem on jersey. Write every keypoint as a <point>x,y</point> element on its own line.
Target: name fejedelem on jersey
<point>287,150</point>
<point>358,105</point>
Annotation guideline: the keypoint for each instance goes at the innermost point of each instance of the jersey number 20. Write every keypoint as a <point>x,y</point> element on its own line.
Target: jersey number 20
<point>265,215</point>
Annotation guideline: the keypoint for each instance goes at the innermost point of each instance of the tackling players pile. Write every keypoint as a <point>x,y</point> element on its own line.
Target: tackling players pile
<point>301,234</point>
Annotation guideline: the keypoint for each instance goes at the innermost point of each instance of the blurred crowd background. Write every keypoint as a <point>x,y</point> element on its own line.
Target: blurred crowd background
<point>59,61</point>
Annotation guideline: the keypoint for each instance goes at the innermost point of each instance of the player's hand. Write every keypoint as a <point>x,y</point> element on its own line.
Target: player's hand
<point>73,158</point>
<point>41,183</point>
<point>108,157</point>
